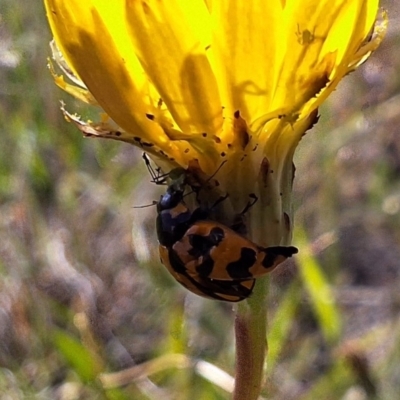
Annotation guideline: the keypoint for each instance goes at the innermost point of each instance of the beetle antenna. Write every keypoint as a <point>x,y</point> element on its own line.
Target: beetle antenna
<point>154,203</point>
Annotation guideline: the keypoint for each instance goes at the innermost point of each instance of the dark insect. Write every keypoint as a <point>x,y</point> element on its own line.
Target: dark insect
<point>205,256</point>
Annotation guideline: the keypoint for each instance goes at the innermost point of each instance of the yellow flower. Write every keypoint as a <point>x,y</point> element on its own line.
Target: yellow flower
<point>209,81</point>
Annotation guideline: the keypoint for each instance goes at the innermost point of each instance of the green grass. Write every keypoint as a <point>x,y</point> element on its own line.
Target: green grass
<point>83,295</point>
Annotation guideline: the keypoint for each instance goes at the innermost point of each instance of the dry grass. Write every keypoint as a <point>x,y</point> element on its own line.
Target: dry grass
<point>82,292</point>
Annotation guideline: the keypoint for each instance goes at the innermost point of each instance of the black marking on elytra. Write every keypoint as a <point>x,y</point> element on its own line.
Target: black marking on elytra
<point>271,253</point>
<point>175,262</point>
<point>234,288</point>
<point>240,269</point>
<point>202,245</point>
<point>213,288</point>
<point>205,268</point>
<point>217,289</point>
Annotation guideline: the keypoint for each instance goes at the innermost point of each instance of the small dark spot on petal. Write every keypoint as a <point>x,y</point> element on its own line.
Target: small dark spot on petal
<point>217,139</point>
<point>293,172</point>
<point>204,134</point>
<point>229,145</point>
<point>146,8</point>
<point>148,144</point>
<point>286,220</point>
<point>255,147</point>
<point>186,151</point>
<point>118,133</point>
<point>264,169</point>
<point>150,116</point>
<point>223,154</point>
<point>240,130</point>
<point>137,139</point>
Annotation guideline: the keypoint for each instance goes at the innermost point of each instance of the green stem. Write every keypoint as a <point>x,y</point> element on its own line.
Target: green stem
<point>268,224</point>
<point>251,343</point>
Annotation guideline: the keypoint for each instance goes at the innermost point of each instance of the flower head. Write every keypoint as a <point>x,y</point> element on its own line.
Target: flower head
<point>195,83</point>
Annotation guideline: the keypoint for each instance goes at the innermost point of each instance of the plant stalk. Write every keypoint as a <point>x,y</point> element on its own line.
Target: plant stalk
<point>251,343</point>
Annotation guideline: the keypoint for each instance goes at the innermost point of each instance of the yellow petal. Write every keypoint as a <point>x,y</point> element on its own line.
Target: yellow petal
<point>171,40</point>
<point>329,34</point>
<point>177,75</point>
<point>275,56</point>
<point>79,93</point>
<point>352,53</point>
<point>246,42</point>
<point>94,40</point>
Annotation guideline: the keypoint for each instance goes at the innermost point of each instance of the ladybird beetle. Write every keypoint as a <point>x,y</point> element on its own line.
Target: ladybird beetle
<point>205,256</point>
<point>174,218</point>
<point>211,250</point>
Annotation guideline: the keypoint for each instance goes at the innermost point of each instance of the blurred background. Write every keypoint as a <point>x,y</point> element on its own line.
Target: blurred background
<point>83,295</point>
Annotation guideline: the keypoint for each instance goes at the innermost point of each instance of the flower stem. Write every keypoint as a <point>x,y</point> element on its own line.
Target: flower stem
<point>251,343</point>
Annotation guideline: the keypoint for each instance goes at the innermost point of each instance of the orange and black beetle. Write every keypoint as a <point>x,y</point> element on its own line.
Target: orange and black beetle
<point>205,256</point>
